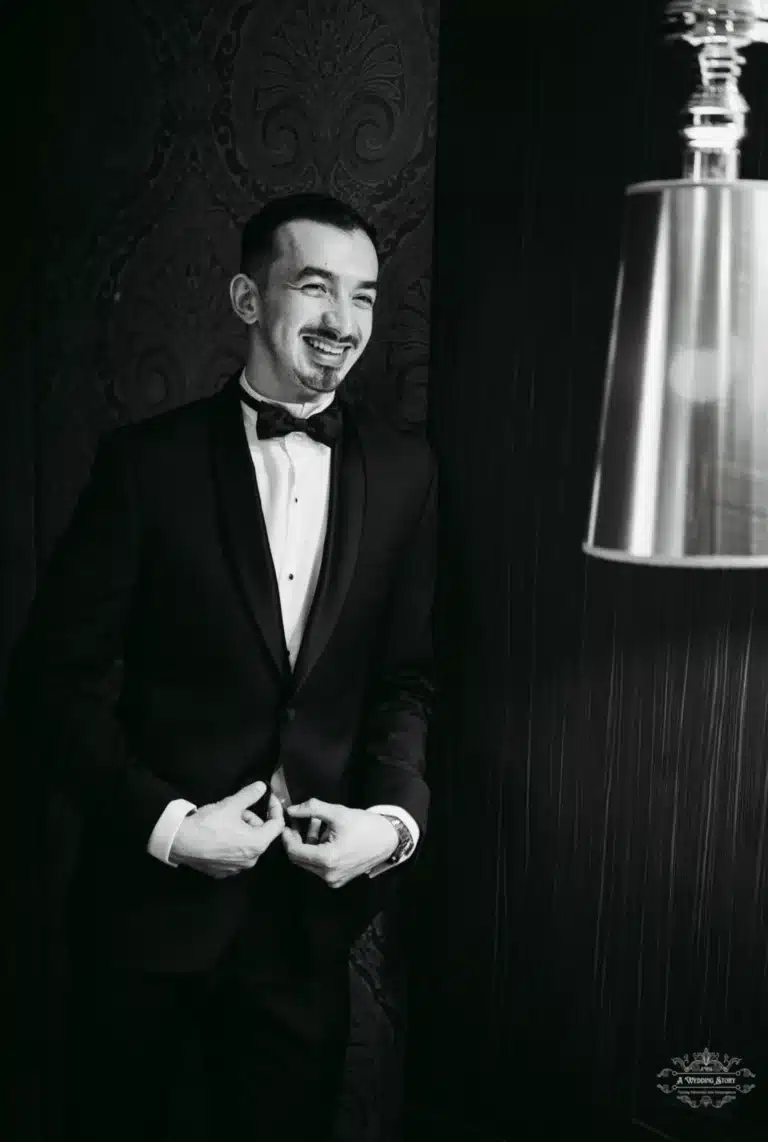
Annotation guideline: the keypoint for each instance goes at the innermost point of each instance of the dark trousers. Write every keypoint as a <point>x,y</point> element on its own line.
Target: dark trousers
<point>252,1048</point>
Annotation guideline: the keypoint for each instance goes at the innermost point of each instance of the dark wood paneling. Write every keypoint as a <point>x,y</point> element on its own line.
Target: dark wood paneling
<point>593,896</point>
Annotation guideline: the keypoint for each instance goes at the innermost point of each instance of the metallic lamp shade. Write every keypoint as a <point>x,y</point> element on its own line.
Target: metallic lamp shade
<point>682,467</point>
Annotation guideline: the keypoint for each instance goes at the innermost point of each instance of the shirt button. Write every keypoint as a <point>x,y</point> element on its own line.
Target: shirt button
<point>290,576</point>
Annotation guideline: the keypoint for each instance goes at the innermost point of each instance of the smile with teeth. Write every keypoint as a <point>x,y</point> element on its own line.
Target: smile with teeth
<point>325,347</point>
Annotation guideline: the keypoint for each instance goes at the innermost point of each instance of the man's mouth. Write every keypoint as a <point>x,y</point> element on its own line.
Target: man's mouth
<point>322,348</point>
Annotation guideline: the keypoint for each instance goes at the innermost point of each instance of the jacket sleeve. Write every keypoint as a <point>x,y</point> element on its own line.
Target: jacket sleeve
<point>59,693</point>
<point>401,696</point>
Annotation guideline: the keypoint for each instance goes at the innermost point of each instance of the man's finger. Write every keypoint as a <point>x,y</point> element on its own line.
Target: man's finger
<point>247,796</point>
<point>306,866</point>
<point>274,813</point>
<point>290,836</point>
<point>274,809</point>
<point>271,829</point>
<point>291,839</point>
<point>330,814</point>
<point>312,856</point>
<point>314,830</point>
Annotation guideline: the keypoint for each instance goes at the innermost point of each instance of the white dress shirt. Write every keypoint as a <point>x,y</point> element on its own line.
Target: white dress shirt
<point>293,478</point>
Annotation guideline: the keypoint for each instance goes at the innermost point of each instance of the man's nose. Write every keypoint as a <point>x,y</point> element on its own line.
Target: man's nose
<point>338,318</point>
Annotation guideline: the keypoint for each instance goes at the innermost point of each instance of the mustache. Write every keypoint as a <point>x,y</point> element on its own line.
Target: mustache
<point>329,335</point>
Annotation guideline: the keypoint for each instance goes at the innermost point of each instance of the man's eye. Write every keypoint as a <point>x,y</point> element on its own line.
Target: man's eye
<point>368,301</point>
<point>314,286</point>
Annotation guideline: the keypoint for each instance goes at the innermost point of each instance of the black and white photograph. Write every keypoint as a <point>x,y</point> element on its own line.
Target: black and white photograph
<point>384,570</point>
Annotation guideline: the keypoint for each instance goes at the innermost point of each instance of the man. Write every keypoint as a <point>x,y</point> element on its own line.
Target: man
<point>261,565</point>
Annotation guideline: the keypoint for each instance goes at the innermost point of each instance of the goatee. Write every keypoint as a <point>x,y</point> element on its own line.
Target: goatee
<point>324,381</point>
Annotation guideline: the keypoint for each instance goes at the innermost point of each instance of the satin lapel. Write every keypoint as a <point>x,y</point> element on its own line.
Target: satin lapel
<point>244,531</point>
<point>342,540</point>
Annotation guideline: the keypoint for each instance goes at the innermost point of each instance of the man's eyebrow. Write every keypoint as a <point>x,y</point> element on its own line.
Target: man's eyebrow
<point>326,275</point>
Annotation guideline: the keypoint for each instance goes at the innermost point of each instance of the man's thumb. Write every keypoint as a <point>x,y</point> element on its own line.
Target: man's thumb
<point>247,796</point>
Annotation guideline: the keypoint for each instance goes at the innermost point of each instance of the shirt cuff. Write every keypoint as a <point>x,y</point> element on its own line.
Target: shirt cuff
<point>404,816</point>
<point>164,832</point>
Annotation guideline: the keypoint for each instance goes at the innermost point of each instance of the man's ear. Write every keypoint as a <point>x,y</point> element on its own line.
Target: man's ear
<point>244,295</point>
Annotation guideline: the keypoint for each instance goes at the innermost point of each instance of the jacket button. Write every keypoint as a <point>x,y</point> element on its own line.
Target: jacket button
<point>289,714</point>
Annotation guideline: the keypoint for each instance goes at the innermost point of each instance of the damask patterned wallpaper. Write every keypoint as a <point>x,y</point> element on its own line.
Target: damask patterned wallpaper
<point>170,125</point>
<point>156,127</point>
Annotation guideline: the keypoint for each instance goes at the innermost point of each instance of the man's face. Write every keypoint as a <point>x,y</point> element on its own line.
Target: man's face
<point>316,307</point>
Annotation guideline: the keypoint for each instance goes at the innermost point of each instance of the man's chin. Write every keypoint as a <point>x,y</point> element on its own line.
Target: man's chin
<point>316,384</point>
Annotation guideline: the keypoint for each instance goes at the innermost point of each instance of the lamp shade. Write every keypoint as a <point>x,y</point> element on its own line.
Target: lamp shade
<point>682,468</point>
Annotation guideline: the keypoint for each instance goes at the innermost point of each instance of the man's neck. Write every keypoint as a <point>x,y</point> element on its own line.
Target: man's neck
<point>298,406</point>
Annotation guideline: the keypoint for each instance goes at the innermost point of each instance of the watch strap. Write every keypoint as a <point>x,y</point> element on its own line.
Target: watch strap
<point>404,845</point>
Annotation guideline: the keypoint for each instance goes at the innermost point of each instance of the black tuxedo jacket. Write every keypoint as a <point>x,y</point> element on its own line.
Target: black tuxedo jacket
<point>166,569</point>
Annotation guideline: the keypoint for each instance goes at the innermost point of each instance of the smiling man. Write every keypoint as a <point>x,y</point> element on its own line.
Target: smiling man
<point>262,564</point>
<point>310,308</point>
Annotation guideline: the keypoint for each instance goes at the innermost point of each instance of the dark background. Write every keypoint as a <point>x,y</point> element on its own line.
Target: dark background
<point>142,134</point>
<point>597,897</point>
<point>591,900</point>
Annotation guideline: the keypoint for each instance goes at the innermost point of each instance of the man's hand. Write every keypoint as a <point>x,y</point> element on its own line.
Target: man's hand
<point>226,837</point>
<point>354,841</point>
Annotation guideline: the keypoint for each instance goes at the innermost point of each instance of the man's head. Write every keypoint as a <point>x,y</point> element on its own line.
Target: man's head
<point>306,288</point>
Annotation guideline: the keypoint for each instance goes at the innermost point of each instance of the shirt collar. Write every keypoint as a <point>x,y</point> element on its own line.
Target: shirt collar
<point>298,409</point>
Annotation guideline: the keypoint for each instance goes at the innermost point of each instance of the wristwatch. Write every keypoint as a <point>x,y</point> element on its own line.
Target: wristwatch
<point>404,845</point>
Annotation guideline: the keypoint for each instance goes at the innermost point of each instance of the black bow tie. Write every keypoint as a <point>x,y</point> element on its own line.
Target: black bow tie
<point>274,420</point>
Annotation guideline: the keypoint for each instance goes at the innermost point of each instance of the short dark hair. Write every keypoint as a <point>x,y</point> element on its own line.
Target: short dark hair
<point>257,248</point>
